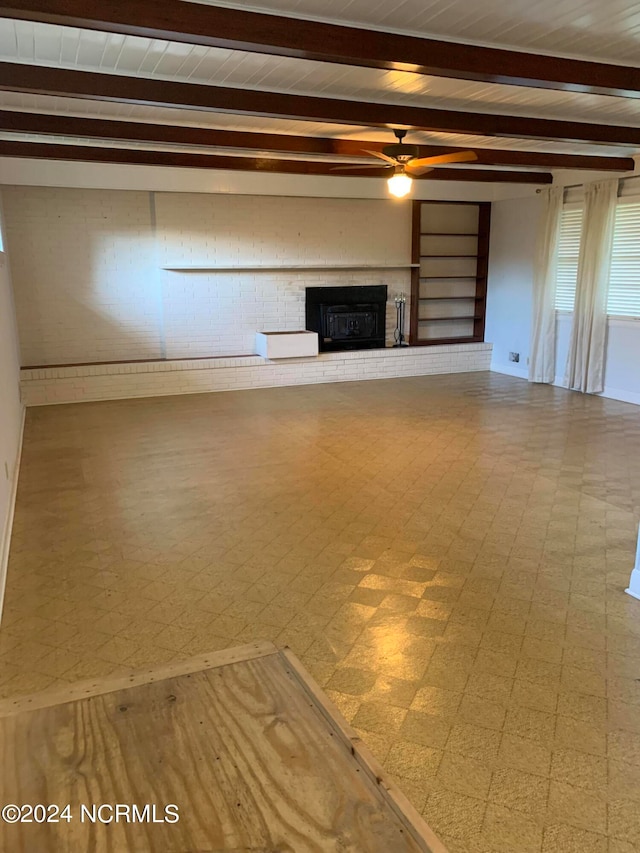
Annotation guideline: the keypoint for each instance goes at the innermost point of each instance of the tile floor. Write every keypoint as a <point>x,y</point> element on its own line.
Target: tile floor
<point>446,554</point>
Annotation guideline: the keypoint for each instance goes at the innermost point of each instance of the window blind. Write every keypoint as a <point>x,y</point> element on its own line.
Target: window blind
<point>624,282</point>
<point>568,252</point>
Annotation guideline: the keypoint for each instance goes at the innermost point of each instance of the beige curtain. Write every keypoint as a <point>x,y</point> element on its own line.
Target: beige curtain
<point>585,359</point>
<point>542,360</point>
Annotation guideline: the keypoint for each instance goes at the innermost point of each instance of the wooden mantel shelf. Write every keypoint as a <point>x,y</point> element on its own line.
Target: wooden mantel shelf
<point>259,267</point>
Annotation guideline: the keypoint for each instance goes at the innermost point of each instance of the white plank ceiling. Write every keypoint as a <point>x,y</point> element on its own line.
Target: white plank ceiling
<point>590,29</point>
<point>583,29</point>
<point>67,47</point>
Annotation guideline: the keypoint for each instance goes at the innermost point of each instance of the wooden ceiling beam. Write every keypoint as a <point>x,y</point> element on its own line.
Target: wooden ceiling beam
<point>238,29</point>
<point>18,77</point>
<point>132,131</point>
<point>97,154</point>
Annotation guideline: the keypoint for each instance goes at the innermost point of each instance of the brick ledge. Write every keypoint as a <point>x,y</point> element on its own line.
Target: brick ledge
<point>34,374</point>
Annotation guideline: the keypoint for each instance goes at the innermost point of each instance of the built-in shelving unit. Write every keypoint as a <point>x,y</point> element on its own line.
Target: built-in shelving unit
<point>270,267</point>
<point>450,249</point>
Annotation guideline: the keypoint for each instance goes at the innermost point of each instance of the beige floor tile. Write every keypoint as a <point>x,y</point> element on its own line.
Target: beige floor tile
<point>539,695</point>
<point>530,724</point>
<point>380,746</point>
<point>424,627</point>
<point>507,830</point>
<point>579,769</point>
<point>582,706</point>
<point>26,682</point>
<point>397,692</point>
<point>376,717</point>
<point>581,736</point>
<point>493,688</point>
<point>495,662</point>
<point>577,807</point>
<point>354,682</point>
<point>623,781</point>
<point>464,775</point>
<point>538,671</point>
<point>474,741</point>
<point>447,676</point>
<point>452,574</point>
<point>346,704</point>
<point>434,610</point>
<point>624,746</point>
<point>616,845</point>
<point>523,754</point>
<point>623,822</point>
<point>425,729</point>
<point>624,689</point>
<point>476,710</point>
<point>436,701</point>
<point>520,791</point>
<point>455,815</point>
<point>562,838</point>
<point>412,760</point>
<point>400,604</point>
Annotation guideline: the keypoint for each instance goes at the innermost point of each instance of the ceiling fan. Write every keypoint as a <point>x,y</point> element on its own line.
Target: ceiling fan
<point>406,162</point>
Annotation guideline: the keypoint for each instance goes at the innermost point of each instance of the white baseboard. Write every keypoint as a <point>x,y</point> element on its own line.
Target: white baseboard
<point>619,394</point>
<point>610,393</point>
<point>5,542</point>
<point>634,581</point>
<point>511,370</point>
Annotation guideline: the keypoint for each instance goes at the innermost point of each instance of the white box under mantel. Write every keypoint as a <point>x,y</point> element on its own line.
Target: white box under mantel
<point>297,344</point>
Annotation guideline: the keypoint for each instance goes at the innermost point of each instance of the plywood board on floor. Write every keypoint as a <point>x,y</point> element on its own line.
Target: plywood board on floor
<point>242,745</point>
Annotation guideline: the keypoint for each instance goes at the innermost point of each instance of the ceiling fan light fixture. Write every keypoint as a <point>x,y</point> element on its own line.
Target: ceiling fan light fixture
<point>400,184</point>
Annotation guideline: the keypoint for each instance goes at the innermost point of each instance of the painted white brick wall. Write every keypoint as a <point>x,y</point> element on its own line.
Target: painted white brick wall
<point>211,314</point>
<point>219,313</point>
<point>87,268</point>
<point>84,274</point>
<point>52,385</point>
<point>231,230</point>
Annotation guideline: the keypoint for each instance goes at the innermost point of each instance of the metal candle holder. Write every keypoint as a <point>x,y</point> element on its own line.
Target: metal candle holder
<point>398,335</point>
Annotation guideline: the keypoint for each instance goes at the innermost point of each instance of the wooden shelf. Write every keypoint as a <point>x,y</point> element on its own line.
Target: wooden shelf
<point>450,319</point>
<point>447,298</point>
<point>473,339</point>
<point>461,214</point>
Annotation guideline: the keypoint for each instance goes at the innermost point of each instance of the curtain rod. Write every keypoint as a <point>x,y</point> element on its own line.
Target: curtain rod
<point>575,186</point>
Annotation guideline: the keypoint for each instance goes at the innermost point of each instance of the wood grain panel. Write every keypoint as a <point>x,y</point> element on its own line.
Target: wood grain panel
<point>238,29</point>
<point>136,131</point>
<point>251,755</point>
<point>184,159</point>
<point>65,82</point>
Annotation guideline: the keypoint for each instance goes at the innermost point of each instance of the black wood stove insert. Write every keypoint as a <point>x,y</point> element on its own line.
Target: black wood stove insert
<point>347,318</point>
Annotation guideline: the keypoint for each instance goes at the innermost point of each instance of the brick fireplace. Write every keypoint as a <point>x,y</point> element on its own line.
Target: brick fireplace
<point>347,318</point>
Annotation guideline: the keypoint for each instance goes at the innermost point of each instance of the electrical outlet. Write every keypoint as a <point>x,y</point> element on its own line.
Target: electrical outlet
<point>514,356</point>
<point>6,470</point>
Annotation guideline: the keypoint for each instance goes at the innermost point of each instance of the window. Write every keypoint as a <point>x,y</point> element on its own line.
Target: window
<point>624,283</point>
<point>568,251</point>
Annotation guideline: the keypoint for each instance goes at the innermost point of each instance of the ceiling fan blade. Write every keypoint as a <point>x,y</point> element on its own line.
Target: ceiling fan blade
<point>347,168</point>
<point>442,159</point>
<point>419,171</point>
<point>380,155</point>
